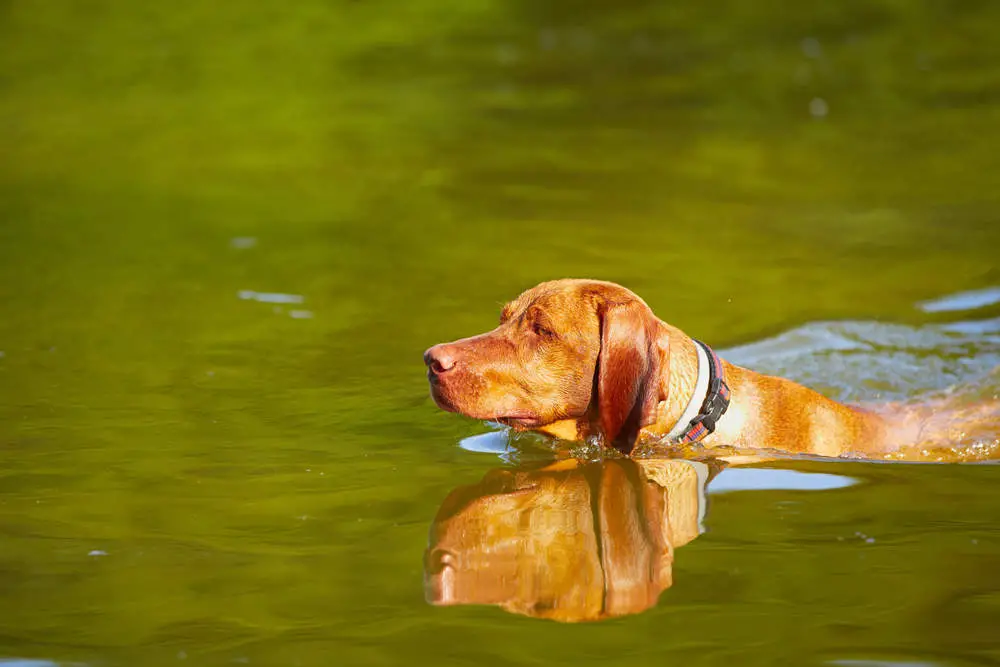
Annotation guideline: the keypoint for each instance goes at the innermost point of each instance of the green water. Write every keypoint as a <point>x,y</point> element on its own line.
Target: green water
<point>192,477</point>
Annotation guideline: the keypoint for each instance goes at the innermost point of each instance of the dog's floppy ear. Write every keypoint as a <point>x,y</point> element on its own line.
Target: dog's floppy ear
<point>627,372</point>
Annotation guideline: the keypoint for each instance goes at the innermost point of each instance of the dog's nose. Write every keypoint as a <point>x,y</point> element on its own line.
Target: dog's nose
<point>439,359</point>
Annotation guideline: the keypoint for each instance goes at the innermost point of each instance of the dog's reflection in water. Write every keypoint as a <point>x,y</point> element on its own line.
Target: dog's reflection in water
<point>571,542</point>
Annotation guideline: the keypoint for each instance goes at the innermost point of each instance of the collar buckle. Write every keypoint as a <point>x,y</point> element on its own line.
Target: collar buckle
<point>717,400</point>
<point>715,405</point>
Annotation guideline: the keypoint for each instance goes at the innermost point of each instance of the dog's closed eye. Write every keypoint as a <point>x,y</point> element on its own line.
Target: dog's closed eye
<point>540,329</point>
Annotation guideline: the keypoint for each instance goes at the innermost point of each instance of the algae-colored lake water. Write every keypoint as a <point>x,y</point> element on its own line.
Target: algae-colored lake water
<point>228,231</point>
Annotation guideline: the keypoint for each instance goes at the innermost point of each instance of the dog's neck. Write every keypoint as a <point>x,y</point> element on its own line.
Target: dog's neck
<point>679,384</point>
<point>678,379</point>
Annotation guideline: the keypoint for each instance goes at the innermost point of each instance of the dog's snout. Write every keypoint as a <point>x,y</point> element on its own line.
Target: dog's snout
<point>439,359</point>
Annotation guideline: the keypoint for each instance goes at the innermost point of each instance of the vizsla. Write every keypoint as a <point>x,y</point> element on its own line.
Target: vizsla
<point>584,359</point>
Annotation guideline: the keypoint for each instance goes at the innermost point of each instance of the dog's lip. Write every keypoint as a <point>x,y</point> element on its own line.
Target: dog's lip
<point>512,419</point>
<point>521,419</point>
<point>441,400</point>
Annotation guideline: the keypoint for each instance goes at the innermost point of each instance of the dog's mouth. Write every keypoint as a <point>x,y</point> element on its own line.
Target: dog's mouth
<point>519,421</point>
<point>447,399</point>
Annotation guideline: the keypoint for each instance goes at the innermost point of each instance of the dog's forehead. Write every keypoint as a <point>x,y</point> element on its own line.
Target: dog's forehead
<point>557,300</point>
<point>571,296</point>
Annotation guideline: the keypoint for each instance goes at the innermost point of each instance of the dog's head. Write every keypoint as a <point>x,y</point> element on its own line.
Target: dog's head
<point>565,349</point>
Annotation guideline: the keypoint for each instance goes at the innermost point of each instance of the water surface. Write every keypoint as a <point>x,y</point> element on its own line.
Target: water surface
<point>227,233</point>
